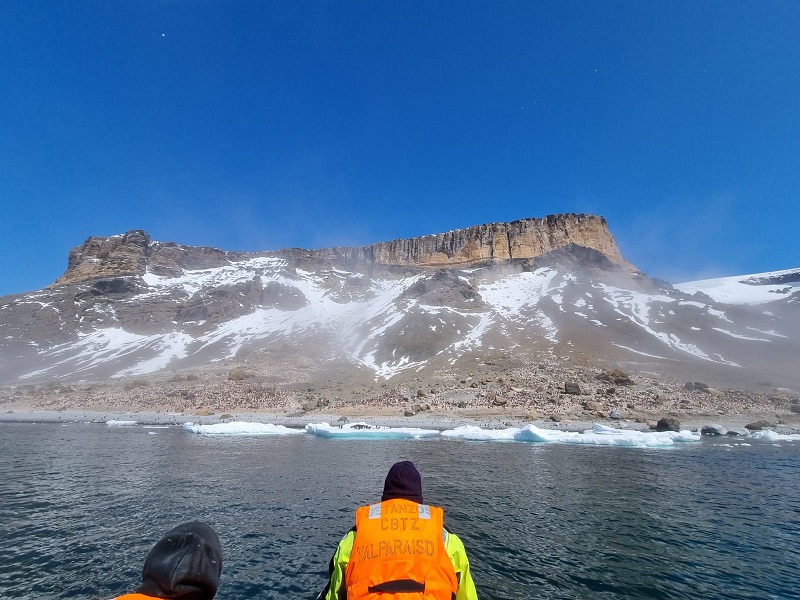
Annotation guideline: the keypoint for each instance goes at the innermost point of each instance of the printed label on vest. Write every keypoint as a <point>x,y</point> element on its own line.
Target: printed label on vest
<point>394,548</point>
<point>375,511</point>
<point>400,523</point>
<point>423,511</point>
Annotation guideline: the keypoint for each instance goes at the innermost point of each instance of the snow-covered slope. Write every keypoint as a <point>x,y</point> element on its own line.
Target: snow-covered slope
<point>757,288</point>
<point>267,311</point>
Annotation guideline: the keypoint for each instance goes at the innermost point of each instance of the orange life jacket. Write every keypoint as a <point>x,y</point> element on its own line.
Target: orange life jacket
<point>399,554</point>
<point>135,597</point>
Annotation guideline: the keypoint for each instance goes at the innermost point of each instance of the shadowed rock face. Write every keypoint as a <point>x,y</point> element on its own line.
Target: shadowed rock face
<point>113,256</point>
<point>134,253</point>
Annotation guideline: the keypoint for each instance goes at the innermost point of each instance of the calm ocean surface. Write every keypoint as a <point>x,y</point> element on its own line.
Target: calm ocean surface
<point>81,505</point>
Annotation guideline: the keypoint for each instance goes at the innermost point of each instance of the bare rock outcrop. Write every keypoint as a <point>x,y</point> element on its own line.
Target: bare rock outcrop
<point>170,259</point>
<point>668,424</point>
<point>114,256</point>
<point>134,253</point>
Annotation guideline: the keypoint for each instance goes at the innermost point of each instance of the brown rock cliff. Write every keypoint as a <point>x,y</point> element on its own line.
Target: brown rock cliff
<point>493,242</point>
<point>133,253</point>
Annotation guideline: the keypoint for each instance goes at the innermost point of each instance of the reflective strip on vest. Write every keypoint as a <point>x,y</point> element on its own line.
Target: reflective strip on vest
<point>423,511</point>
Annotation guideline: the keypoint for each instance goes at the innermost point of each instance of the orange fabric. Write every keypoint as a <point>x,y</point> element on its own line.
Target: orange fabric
<point>397,541</point>
<point>134,597</point>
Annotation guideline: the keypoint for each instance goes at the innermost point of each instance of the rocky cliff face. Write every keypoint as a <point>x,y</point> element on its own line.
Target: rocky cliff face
<point>526,238</point>
<point>113,256</point>
<point>134,253</point>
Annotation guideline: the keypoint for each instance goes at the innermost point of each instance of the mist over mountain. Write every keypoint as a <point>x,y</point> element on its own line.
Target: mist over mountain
<point>528,291</point>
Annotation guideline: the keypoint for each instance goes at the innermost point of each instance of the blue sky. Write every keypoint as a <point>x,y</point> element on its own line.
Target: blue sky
<point>262,125</point>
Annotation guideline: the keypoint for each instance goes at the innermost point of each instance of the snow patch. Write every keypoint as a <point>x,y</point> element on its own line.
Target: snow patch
<point>742,289</point>
<point>740,336</point>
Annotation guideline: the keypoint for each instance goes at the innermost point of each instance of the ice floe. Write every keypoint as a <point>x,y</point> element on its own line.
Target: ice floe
<point>770,436</point>
<point>365,430</point>
<point>598,435</point>
<point>241,428</point>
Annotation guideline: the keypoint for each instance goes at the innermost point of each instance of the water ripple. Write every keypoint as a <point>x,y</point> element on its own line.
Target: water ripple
<point>82,505</point>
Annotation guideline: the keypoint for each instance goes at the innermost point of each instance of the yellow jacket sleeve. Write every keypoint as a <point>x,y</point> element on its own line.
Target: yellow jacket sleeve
<point>458,556</point>
<point>455,550</point>
<point>336,587</point>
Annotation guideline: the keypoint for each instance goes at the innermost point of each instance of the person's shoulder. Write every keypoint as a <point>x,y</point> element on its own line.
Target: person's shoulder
<point>349,537</point>
<point>450,532</point>
<point>453,542</point>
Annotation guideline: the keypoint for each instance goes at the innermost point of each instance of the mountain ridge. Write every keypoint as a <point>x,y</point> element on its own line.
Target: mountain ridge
<point>294,316</point>
<point>135,253</point>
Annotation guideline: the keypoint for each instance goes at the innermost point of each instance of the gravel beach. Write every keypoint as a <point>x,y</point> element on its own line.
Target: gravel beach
<point>551,395</point>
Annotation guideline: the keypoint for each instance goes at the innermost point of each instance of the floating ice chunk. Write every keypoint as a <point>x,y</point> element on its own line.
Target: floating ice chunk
<point>770,436</point>
<point>684,435</point>
<point>599,435</point>
<point>367,431</point>
<point>240,428</point>
<point>473,432</point>
<point>600,428</point>
<point>115,423</point>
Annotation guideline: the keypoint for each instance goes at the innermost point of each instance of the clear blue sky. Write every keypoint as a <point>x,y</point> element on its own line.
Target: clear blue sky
<point>261,125</point>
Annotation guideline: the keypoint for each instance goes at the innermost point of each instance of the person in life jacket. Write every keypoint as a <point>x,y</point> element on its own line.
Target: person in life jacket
<point>185,564</point>
<point>400,549</point>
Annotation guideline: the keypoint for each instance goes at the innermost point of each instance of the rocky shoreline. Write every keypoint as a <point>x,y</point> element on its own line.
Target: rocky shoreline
<point>694,423</point>
<point>493,396</point>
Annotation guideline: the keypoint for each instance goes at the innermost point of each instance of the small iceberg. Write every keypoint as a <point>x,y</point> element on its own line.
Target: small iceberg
<point>114,423</point>
<point>367,431</point>
<point>240,428</point>
<point>770,436</point>
<point>475,433</point>
<point>598,435</point>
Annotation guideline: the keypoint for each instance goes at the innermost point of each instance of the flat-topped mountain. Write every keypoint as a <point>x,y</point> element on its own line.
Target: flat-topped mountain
<point>533,291</point>
<point>134,253</point>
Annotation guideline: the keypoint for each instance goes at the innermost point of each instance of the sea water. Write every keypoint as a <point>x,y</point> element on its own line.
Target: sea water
<point>81,505</point>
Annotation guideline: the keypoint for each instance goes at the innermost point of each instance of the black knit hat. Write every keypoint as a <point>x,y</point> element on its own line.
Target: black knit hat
<point>186,564</point>
<point>403,481</point>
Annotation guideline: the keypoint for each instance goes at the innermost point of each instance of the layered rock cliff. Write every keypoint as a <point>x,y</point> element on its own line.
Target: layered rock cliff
<point>490,243</point>
<point>134,253</point>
